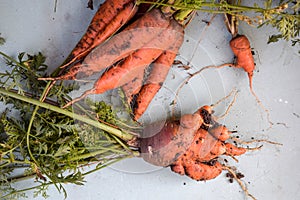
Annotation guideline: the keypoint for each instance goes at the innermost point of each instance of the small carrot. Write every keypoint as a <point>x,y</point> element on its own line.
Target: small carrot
<point>220,132</point>
<point>104,15</point>
<point>204,147</point>
<point>121,74</point>
<point>233,150</point>
<point>240,46</point>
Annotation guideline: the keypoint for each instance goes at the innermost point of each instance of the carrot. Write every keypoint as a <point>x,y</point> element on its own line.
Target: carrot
<point>233,150</point>
<point>162,144</point>
<point>120,19</point>
<point>197,170</point>
<point>220,132</point>
<point>122,73</point>
<point>240,46</point>
<point>119,46</point>
<point>155,80</point>
<point>204,147</point>
<point>104,15</point>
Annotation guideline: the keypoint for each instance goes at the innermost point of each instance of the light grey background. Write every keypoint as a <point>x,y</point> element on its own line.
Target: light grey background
<point>272,172</point>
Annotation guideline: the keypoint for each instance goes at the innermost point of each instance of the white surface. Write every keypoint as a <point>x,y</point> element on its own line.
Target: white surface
<point>273,173</point>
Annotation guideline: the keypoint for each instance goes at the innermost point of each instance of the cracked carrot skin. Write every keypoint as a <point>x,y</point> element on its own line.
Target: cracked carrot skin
<point>163,145</point>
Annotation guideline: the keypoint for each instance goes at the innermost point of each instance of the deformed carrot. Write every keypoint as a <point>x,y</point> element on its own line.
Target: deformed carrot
<point>158,74</point>
<point>220,132</point>
<point>162,144</point>
<point>240,46</point>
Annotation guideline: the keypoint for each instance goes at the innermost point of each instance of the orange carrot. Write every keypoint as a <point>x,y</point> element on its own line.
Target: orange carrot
<point>153,84</point>
<point>197,170</point>
<point>233,150</point>
<point>105,14</point>
<point>240,46</point>
<point>220,132</point>
<point>120,19</point>
<point>157,75</point>
<point>122,73</point>
<point>204,147</point>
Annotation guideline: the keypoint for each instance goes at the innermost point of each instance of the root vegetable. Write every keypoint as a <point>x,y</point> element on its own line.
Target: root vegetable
<point>157,76</point>
<point>240,46</point>
<point>220,132</point>
<point>233,150</point>
<point>132,88</point>
<point>90,41</point>
<point>163,144</point>
<point>105,14</point>
<point>197,170</point>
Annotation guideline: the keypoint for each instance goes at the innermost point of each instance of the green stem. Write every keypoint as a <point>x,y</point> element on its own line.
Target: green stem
<point>121,134</point>
<point>200,5</point>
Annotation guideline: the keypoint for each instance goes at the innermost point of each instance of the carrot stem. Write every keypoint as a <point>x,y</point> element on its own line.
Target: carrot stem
<point>119,133</point>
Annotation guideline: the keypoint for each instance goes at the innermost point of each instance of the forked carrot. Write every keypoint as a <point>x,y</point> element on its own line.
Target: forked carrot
<point>240,46</point>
